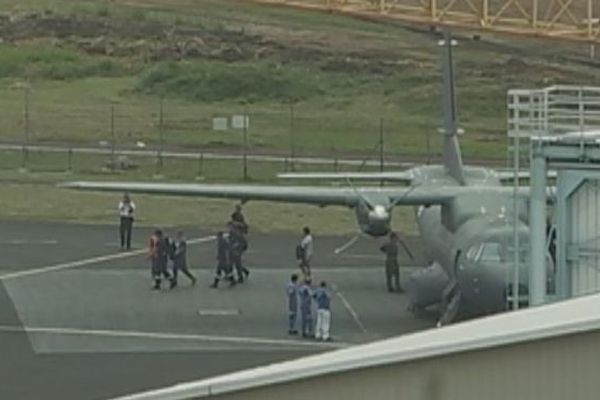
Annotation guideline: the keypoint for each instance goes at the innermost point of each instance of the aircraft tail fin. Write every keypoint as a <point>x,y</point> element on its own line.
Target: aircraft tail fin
<point>451,149</point>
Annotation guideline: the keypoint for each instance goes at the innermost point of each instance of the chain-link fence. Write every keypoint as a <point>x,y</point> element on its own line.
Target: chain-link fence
<point>87,114</point>
<point>51,129</point>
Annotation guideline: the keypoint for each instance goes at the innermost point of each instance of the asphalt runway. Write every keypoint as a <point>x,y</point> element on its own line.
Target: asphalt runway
<point>78,319</point>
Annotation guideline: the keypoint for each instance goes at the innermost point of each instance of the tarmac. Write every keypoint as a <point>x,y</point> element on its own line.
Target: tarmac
<point>78,319</point>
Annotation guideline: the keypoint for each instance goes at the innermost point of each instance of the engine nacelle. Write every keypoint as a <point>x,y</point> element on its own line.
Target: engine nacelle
<point>425,286</point>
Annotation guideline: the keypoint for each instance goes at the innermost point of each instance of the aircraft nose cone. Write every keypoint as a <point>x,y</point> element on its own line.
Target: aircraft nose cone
<point>379,221</point>
<point>380,212</point>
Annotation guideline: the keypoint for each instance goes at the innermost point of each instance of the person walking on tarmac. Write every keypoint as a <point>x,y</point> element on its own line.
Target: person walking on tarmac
<point>392,268</point>
<point>304,251</point>
<point>305,294</point>
<point>179,256</point>
<point>237,246</point>
<point>238,220</point>
<point>223,262</point>
<point>291,292</point>
<point>126,210</point>
<point>158,254</point>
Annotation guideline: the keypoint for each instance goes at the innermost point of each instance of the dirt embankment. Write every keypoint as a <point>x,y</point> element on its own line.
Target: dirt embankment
<point>151,41</point>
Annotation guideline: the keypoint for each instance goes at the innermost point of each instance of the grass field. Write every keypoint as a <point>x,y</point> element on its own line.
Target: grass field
<point>207,58</point>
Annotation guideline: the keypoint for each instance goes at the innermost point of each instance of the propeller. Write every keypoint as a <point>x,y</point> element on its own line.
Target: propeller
<point>348,244</point>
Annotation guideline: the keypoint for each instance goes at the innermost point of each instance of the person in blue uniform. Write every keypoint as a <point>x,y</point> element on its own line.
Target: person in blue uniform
<point>305,295</point>
<point>323,300</point>
<point>291,292</point>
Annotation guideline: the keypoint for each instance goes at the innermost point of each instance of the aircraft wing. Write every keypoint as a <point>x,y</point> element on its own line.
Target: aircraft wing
<point>318,195</point>
<point>397,176</point>
<point>506,176</point>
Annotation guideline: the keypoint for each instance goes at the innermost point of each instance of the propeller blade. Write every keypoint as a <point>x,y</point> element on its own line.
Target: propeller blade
<point>347,245</point>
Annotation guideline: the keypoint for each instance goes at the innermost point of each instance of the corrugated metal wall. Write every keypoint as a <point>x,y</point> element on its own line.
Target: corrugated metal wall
<point>584,238</point>
<point>553,369</point>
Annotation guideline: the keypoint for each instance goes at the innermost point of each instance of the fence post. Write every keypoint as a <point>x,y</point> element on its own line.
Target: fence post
<point>113,161</point>
<point>381,162</point>
<point>292,138</point>
<point>245,145</point>
<point>24,159</point>
<point>200,165</point>
<point>70,160</point>
<point>24,153</point>
<point>159,154</point>
<point>26,127</point>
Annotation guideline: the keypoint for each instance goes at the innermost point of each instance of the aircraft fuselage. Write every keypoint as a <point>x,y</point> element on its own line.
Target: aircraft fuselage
<point>472,237</point>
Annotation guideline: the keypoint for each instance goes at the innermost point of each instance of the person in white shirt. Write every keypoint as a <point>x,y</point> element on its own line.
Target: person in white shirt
<point>126,210</point>
<point>306,247</point>
<point>323,299</point>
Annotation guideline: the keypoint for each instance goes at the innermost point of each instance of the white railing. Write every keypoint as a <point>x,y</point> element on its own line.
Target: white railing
<point>556,110</point>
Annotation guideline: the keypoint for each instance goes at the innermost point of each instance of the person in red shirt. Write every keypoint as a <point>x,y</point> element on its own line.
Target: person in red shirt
<point>157,253</point>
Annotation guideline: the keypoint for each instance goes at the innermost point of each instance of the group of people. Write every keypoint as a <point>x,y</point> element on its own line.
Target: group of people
<point>300,297</point>
<point>161,248</point>
<point>230,249</point>
<point>231,245</point>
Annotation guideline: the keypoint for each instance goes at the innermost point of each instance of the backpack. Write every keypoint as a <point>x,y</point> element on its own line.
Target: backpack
<point>243,243</point>
<point>299,252</point>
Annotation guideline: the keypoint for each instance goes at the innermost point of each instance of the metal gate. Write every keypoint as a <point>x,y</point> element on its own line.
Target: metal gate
<point>562,125</point>
<point>578,232</point>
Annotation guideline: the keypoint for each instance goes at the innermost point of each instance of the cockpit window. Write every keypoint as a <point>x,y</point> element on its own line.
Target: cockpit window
<point>490,251</point>
<point>473,252</point>
<point>496,252</point>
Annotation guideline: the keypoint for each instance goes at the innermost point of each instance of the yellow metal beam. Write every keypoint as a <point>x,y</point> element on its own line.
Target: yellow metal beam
<point>557,19</point>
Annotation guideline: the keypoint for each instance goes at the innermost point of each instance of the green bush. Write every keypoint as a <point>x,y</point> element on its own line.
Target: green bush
<point>46,62</point>
<point>217,81</point>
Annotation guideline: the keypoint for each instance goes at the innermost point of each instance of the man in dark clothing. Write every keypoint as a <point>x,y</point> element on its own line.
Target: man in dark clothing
<point>291,292</point>
<point>179,257</point>
<point>392,269</point>
<point>126,210</point>
<point>237,246</point>
<point>238,220</point>
<point>223,262</point>
<point>158,251</point>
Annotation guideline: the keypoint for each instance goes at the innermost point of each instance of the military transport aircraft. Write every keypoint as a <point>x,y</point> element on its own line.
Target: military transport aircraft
<point>464,214</point>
